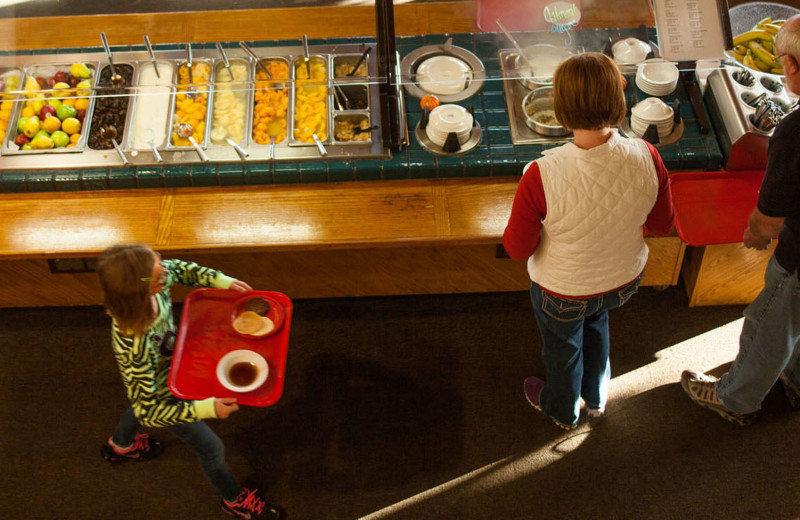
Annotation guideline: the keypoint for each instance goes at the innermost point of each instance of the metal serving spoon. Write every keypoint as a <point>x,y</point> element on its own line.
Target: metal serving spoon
<point>152,55</point>
<point>225,59</point>
<point>185,130</point>
<point>116,79</point>
<point>253,55</point>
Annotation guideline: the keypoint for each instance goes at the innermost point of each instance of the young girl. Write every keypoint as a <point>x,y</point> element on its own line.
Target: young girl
<point>579,217</point>
<point>136,284</point>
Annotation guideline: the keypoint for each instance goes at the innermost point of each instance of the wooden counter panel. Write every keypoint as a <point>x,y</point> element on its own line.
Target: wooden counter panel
<point>318,215</point>
<point>480,208</point>
<point>321,273</point>
<point>280,24</point>
<point>724,274</point>
<point>68,224</point>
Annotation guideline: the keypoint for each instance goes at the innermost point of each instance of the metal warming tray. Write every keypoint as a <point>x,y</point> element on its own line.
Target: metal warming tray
<point>362,110</point>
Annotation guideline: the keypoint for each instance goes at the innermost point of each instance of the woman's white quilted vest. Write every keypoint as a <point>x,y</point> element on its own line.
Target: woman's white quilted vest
<point>597,202</point>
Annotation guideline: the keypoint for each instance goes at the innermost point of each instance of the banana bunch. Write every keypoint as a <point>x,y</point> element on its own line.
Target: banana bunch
<point>756,47</point>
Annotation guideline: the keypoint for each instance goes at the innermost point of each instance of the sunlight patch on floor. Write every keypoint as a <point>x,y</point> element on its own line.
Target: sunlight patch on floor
<point>704,352</point>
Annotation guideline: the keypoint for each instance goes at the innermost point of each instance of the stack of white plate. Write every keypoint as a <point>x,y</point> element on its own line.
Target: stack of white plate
<point>652,111</point>
<point>630,51</point>
<point>445,119</point>
<point>657,77</point>
<point>444,75</point>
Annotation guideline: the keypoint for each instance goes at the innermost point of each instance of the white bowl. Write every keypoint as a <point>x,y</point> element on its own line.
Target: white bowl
<point>652,109</point>
<point>449,118</point>
<point>630,51</point>
<point>445,75</point>
<point>247,357</point>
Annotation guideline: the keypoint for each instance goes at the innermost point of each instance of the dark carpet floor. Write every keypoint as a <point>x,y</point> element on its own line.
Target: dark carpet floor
<point>404,407</point>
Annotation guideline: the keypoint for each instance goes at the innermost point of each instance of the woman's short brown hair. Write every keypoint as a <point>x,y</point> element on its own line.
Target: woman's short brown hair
<point>587,90</point>
<point>125,295</point>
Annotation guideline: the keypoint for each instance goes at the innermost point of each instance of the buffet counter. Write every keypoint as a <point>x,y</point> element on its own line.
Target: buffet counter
<point>407,222</point>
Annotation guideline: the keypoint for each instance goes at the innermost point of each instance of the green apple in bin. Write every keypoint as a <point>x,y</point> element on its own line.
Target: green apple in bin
<point>60,138</point>
<point>65,111</point>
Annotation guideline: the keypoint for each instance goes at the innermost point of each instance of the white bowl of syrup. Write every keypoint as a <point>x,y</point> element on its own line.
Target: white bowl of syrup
<point>242,370</point>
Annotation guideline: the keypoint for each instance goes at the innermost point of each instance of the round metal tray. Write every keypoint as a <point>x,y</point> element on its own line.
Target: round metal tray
<point>430,146</point>
<point>409,65</point>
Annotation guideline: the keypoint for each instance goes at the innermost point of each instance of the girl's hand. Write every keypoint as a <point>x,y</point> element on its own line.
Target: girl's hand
<point>225,406</point>
<point>240,286</point>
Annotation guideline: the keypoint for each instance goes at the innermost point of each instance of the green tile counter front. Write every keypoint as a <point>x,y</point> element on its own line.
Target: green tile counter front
<point>494,156</point>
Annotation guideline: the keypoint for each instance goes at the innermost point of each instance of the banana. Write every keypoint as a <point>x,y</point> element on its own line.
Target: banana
<point>740,50</point>
<point>768,19</point>
<point>747,61</point>
<point>762,66</point>
<point>763,54</point>
<point>770,27</point>
<point>777,70</point>
<point>752,35</point>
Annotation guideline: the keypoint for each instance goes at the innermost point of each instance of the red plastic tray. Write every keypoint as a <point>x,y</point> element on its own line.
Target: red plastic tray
<point>713,207</point>
<point>206,334</point>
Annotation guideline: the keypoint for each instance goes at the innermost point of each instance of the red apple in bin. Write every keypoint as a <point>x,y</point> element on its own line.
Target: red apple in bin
<point>41,81</point>
<point>21,140</point>
<point>47,109</point>
<point>80,114</point>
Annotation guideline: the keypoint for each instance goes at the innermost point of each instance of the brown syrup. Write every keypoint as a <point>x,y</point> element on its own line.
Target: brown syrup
<point>242,373</point>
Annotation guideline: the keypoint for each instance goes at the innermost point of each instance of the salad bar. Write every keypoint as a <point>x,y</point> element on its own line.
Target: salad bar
<point>190,107</point>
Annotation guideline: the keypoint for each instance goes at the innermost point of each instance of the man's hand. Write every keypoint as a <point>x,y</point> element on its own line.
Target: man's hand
<point>761,229</point>
<point>225,406</point>
<point>753,241</point>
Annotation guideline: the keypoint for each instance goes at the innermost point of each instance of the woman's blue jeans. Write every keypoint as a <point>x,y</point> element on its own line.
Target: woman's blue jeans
<point>575,349</point>
<point>205,443</point>
<point>768,344</point>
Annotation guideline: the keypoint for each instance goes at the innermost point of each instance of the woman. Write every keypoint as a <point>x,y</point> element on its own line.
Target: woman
<point>579,218</point>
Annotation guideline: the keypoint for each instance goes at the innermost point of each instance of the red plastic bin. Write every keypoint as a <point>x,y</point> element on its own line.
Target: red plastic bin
<point>206,334</point>
<point>713,207</point>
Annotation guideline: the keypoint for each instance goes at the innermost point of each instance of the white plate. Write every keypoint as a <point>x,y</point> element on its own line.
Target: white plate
<point>242,356</point>
<point>445,75</point>
<point>658,72</point>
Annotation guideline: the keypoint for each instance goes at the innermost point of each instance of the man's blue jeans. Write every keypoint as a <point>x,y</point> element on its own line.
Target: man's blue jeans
<point>768,344</point>
<point>205,443</point>
<point>575,349</point>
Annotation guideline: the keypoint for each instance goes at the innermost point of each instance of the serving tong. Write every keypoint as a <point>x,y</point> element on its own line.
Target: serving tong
<point>360,61</point>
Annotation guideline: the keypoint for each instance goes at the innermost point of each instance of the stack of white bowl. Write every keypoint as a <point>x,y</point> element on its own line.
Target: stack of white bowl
<point>445,119</point>
<point>652,111</point>
<point>657,77</point>
<point>630,51</point>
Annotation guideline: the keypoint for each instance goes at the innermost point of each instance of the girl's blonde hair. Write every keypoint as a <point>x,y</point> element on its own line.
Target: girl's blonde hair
<point>126,296</point>
<point>587,92</point>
